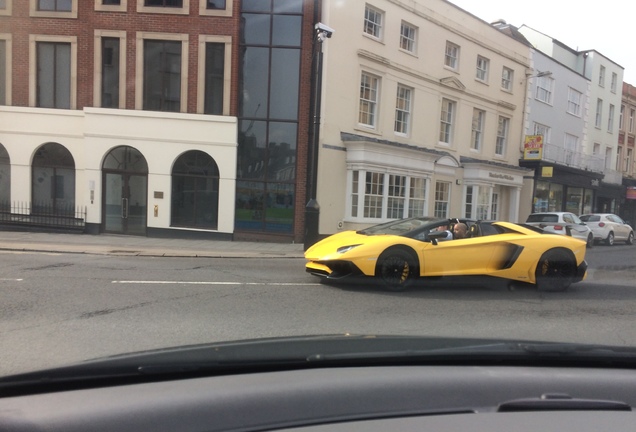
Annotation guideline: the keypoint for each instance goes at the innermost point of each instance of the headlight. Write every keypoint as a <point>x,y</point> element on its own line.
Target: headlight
<point>344,249</point>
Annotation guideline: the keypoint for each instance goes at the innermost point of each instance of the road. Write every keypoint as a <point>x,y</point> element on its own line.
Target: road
<point>61,308</point>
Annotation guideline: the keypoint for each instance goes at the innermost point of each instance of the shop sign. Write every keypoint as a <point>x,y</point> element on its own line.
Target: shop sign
<point>631,192</point>
<point>547,171</point>
<point>533,147</point>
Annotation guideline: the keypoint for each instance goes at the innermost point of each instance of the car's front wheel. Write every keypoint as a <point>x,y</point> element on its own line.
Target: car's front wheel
<point>555,271</point>
<point>590,241</point>
<point>610,239</point>
<point>397,269</point>
<point>630,238</point>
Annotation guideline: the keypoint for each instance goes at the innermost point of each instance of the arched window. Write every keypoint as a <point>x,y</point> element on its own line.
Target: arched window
<point>5,179</point>
<point>195,191</point>
<point>53,180</point>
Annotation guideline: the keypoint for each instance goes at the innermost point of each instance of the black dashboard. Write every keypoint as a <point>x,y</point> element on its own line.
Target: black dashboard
<point>396,398</point>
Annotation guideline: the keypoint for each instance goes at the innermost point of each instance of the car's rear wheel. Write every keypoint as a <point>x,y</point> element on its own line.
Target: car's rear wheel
<point>397,269</point>
<point>555,271</point>
<point>610,239</point>
<point>590,241</point>
<point>630,238</point>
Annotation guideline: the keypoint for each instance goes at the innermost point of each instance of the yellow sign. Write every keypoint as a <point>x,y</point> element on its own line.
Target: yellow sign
<point>533,147</point>
<point>547,171</point>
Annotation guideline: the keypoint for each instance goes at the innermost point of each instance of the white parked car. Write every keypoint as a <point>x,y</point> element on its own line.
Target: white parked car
<point>564,223</point>
<point>609,228</point>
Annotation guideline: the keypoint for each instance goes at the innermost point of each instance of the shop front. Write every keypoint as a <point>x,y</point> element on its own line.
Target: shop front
<point>558,188</point>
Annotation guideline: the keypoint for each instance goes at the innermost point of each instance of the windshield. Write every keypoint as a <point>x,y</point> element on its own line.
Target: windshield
<point>185,172</point>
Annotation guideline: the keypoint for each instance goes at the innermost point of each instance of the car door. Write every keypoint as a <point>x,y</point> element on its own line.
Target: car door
<point>470,256</point>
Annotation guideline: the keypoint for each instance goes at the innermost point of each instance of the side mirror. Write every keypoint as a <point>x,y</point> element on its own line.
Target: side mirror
<point>437,236</point>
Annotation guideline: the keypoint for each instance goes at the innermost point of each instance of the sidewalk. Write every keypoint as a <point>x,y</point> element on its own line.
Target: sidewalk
<point>107,244</point>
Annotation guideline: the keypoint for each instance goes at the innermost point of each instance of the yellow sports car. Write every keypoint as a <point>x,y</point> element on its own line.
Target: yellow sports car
<point>400,252</point>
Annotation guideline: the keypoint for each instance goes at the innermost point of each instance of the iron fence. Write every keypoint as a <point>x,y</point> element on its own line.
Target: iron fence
<point>43,215</point>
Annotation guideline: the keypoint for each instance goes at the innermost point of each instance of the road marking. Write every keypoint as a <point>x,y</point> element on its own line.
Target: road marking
<point>211,283</point>
<point>11,280</point>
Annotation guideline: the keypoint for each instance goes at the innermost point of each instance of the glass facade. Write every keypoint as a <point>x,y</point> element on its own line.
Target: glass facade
<point>268,115</point>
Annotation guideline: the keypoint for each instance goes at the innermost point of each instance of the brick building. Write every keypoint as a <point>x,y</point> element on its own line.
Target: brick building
<point>157,117</point>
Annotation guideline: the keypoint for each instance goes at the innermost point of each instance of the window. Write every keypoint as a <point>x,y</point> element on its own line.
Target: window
<point>608,157</point>
<point>55,5</point>
<point>482,68</point>
<point>446,121</point>
<point>373,22</point>
<point>110,72</point>
<point>506,79</point>
<point>601,76</point>
<point>619,158</point>
<point>628,161</point>
<point>614,82</point>
<point>195,191</point>
<point>480,202</point>
<point>53,180</point>
<point>610,119</point>
<point>164,3</point>
<point>408,36</point>
<point>632,114</point>
<point>442,198</point>
<point>53,75</point>
<point>162,75</point>
<point>215,7</point>
<point>403,110</point>
<point>53,8</point>
<point>599,113</point>
<point>386,195</point>
<point>110,69</point>
<point>620,117</point>
<point>477,129</point>
<point>544,131</point>
<point>373,195</point>
<point>396,196</point>
<point>214,78</point>
<point>179,7</point>
<point>417,197</point>
<point>4,60</point>
<point>544,89</point>
<point>502,135</point>
<point>574,102</point>
<point>494,206</point>
<point>451,58</point>
<point>571,145</point>
<point>368,100</point>
<point>111,5</point>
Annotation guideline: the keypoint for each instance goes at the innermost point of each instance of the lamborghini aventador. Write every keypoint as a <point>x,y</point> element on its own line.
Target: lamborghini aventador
<point>398,253</point>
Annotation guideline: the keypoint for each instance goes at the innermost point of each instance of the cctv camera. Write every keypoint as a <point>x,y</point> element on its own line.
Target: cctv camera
<point>323,28</point>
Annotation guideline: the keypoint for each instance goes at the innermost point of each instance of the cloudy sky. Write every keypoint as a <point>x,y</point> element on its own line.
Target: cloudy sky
<point>602,26</point>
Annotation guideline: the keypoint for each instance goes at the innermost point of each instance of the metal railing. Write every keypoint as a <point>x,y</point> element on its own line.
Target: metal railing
<point>43,215</point>
<point>574,159</point>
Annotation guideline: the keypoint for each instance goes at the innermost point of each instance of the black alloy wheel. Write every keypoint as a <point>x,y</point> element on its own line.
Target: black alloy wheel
<point>397,269</point>
<point>555,271</point>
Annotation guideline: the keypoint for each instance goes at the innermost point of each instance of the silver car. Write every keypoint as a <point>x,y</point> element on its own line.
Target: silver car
<point>564,223</point>
<point>608,227</point>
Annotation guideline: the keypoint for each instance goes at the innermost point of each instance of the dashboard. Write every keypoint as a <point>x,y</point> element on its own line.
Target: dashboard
<point>373,398</point>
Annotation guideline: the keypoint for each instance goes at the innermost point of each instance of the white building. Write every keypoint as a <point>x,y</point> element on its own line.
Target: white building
<point>605,97</point>
<point>422,114</point>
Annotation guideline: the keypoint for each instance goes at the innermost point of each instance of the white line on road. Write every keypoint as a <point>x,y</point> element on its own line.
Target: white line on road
<point>211,283</point>
<point>11,280</point>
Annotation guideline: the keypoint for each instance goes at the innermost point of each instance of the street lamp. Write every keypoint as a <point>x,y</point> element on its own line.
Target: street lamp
<point>312,209</point>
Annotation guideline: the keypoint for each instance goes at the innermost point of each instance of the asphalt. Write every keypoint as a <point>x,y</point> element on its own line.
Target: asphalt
<point>107,244</point>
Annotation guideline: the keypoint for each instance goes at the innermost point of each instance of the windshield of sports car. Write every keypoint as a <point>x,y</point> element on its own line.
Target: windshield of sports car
<point>179,173</point>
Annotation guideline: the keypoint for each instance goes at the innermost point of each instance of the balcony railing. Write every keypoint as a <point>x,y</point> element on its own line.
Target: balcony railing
<point>613,177</point>
<point>554,153</point>
<point>43,216</point>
